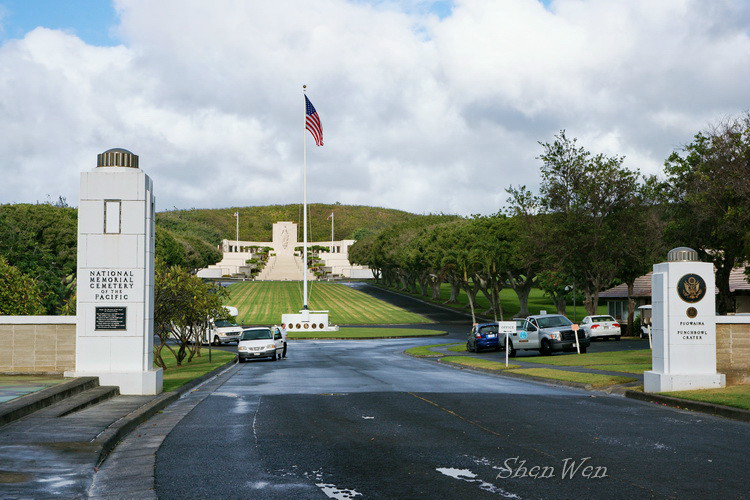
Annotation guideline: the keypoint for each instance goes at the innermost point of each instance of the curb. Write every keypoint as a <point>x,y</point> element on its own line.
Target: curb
<point>29,403</point>
<point>113,434</point>
<point>686,404</point>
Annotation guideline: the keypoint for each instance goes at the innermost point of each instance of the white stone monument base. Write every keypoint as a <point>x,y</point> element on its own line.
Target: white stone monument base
<point>667,382</point>
<point>308,321</point>
<point>130,383</point>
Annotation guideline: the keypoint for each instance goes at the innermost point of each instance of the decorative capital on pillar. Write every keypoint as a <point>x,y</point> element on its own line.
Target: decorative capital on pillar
<point>682,254</point>
<point>117,157</point>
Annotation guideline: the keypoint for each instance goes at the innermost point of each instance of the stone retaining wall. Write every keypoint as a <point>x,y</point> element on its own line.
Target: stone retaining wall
<point>733,348</point>
<point>37,344</point>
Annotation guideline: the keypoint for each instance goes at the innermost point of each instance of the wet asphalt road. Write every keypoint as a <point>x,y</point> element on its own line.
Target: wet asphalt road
<point>358,419</point>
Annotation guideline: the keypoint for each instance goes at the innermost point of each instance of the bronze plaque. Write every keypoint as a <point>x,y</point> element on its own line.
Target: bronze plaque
<point>691,288</point>
<point>111,318</point>
<point>692,312</point>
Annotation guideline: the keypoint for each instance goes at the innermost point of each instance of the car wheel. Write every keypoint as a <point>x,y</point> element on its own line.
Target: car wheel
<point>216,340</point>
<point>468,346</point>
<point>617,337</point>
<point>546,349</point>
<point>239,360</point>
<point>583,350</point>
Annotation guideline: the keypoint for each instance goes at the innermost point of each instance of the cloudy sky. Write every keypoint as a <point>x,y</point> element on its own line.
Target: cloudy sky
<point>427,106</point>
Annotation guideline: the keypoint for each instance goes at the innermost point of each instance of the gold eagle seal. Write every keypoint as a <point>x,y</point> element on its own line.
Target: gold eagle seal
<point>691,288</point>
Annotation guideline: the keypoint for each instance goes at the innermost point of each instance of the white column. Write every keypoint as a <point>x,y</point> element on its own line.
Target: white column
<point>684,325</point>
<point>115,299</point>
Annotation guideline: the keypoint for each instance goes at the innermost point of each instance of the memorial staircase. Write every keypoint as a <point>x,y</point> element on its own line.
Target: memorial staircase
<point>285,267</point>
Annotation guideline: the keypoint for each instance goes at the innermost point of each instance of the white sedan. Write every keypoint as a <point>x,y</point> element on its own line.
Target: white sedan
<point>260,343</point>
<point>601,326</point>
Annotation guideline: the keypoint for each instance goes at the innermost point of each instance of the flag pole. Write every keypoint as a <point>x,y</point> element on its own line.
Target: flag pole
<point>304,201</point>
<point>237,232</point>
<point>332,232</point>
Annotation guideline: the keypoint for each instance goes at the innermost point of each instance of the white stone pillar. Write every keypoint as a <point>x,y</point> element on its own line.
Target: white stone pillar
<point>114,336</point>
<point>684,325</point>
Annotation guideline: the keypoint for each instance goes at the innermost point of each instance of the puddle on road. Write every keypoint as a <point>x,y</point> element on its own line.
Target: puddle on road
<point>470,477</point>
<point>332,491</point>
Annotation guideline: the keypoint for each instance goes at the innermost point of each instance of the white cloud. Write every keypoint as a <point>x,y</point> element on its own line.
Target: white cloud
<point>420,112</point>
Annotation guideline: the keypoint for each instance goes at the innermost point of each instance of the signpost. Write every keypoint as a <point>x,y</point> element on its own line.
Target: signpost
<point>508,328</point>
<point>575,329</point>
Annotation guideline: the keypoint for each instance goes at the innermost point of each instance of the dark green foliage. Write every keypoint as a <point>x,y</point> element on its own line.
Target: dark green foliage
<point>40,241</point>
<point>707,199</point>
<point>19,294</point>
<point>168,249</point>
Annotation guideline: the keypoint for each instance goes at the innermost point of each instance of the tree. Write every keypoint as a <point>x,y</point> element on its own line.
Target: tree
<point>183,307</point>
<point>707,195</point>
<point>587,198</point>
<point>168,249</point>
<point>19,294</point>
<point>40,241</point>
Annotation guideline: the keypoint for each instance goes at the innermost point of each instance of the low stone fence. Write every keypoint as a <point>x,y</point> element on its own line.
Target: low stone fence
<point>733,348</point>
<point>37,344</point>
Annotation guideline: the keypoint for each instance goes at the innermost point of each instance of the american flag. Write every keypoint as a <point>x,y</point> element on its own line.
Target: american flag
<point>312,122</point>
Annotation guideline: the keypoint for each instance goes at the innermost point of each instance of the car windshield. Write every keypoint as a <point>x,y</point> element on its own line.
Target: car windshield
<point>596,319</point>
<point>520,323</point>
<point>224,323</point>
<point>552,321</point>
<point>263,334</point>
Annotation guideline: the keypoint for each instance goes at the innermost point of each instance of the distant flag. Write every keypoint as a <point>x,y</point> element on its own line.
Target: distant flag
<point>236,214</point>
<point>312,122</point>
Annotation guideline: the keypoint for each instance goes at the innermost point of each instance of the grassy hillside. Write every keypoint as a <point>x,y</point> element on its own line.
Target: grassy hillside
<point>263,303</point>
<point>351,221</point>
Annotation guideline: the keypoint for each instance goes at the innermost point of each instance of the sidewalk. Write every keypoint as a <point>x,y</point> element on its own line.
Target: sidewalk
<point>52,453</point>
<point>15,386</point>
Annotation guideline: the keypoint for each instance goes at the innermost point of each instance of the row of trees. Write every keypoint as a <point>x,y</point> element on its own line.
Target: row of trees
<point>593,223</point>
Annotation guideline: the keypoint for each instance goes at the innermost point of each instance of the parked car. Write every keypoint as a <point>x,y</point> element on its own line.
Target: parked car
<point>601,326</point>
<point>482,336</point>
<point>260,342</point>
<point>547,333</point>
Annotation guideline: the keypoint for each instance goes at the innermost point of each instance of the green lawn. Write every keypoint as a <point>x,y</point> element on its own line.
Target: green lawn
<point>458,348</point>
<point>636,368</point>
<point>175,376</point>
<point>425,351</point>
<point>509,302</point>
<point>477,363</point>
<point>366,333</point>
<point>595,379</point>
<point>737,396</point>
<point>263,303</point>
<point>602,360</point>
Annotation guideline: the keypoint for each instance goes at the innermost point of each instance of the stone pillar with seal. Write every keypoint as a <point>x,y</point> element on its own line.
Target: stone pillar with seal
<point>683,325</point>
<point>115,298</point>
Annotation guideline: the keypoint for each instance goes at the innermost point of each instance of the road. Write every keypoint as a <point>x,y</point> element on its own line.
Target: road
<point>358,419</point>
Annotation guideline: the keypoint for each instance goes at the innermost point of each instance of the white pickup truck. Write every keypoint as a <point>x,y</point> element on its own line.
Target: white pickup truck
<point>223,331</point>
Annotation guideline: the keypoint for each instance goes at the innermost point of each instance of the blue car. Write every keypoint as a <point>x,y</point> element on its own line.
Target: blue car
<point>482,336</point>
